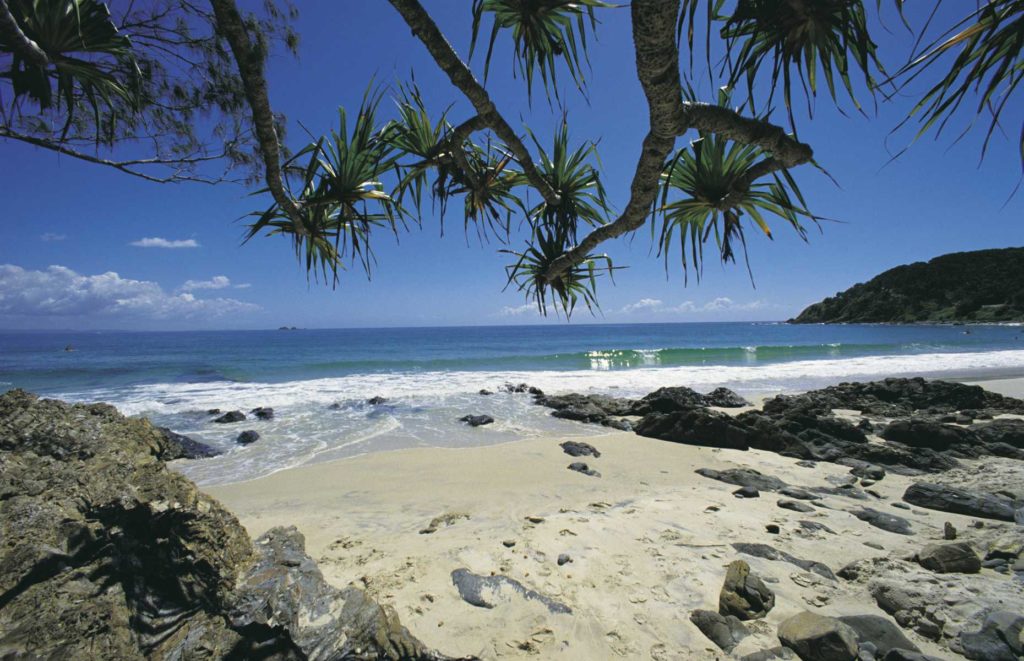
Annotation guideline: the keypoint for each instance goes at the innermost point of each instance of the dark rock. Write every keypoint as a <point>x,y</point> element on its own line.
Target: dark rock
<point>807,463</point>
<point>794,506</point>
<point>476,420</point>
<point>106,554</point>
<point>999,638</point>
<point>231,416</point>
<point>1008,431</point>
<point>563,558</point>
<point>771,553</point>
<point>798,493</point>
<point>581,467</point>
<point>535,391</point>
<point>918,433</point>
<point>747,492</point>
<point>902,506</point>
<point>376,400</point>
<point>743,477</point>
<point>744,595</point>
<point>702,427</point>
<point>883,520</point>
<point>212,411</point>
<point>867,483</point>
<point>880,631</point>
<point>515,388</point>
<point>950,558</point>
<point>336,406</point>
<point>818,638</point>
<point>865,470</point>
<point>669,400</point>
<point>725,631</point>
<point>586,408</point>
<point>909,655</point>
<point>247,437</point>
<point>483,591</point>
<point>724,398</point>
<point>579,449</point>
<point>772,528</point>
<point>178,446</point>
<point>948,531</point>
<point>994,563</point>
<point>485,391</point>
<point>586,412</point>
<point>263,413</point>
<point>959,501</point>
<point>618,423</point>
<point>508,543</point>
<point>770,654</point>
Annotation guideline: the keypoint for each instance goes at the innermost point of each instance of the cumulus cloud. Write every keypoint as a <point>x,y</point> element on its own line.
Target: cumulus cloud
<point>159,242</point>
<point>525,310</point>
<point>50,236</point>
<point>720,304</point>
<point>61,292</point>
<point>216,282</point>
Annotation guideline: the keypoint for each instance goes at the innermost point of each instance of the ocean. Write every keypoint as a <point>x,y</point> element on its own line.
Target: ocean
<point>432,376</point>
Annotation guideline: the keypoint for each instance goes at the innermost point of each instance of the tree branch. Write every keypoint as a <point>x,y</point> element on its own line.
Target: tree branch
<point>124,166</point>
<point>13,35</point>
<point>250,68</point>
<point>657,66</point>
<point>424,28</point>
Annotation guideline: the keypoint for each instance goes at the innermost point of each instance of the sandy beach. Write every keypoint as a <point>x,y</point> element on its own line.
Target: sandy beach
<point>648,541</point>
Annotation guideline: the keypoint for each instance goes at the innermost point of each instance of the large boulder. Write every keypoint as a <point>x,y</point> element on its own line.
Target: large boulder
<point>726,631</point>
<point>918,433</point>
<point>880,631</point>
<point>178,446</point>
<point>669,400</point>
<point>818,638</point>
<point>1001,638</point>
<point>107,554</point>
<point>699,426</point>
<point>1008,431</point>
<point>744,595</point>
<point>950,558</point>
<point>959,501</point>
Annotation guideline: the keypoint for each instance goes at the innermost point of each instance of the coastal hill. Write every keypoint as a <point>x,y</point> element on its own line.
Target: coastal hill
<point>977,286</point>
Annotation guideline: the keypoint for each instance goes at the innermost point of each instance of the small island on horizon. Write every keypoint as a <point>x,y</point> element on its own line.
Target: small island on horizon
<point>980,286</point>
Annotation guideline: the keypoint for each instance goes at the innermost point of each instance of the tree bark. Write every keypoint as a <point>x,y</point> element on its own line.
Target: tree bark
<point>13,35</point>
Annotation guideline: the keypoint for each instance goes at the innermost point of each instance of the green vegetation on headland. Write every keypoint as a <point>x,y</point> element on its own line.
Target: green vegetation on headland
<point>978,286</point>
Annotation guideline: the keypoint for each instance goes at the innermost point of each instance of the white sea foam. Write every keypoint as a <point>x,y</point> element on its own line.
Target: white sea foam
<point>423,407</point>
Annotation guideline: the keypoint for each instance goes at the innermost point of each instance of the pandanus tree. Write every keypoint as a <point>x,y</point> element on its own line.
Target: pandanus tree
<point>709,171</point>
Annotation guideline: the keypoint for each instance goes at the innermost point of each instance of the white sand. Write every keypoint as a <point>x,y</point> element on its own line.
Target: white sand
<point>646,550</point>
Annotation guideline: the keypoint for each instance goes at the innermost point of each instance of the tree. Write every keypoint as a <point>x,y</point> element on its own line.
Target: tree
<point>154,80</point>
<point>370,175</point>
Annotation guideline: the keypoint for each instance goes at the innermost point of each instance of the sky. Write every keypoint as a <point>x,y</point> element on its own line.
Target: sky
<point>86,247</point>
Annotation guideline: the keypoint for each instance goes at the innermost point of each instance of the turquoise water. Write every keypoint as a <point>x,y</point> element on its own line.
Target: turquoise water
<point>431,376</point>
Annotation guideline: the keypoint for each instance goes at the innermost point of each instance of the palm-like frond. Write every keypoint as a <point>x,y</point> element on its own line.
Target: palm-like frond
<point>487,188</point>
<point>542,31</point>
<point>413,134</point>
<point>571,174</point>
<point>578,283</point>
<point>90,62</point>
<point>801,38</point>
<point>342,199</point>
<point>715,177</point>
<point>988,64</point>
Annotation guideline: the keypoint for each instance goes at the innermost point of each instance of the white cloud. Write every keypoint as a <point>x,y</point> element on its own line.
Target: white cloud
<point>61,292</point>
<point>525,310</point>
<point>242,285</point>
<point>649,304</point>
<point>216,282</point>
<point>50,236</point>
<point>158,242</point>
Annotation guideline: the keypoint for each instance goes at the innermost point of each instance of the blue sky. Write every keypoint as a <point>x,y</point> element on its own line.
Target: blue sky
<point>88,247</point>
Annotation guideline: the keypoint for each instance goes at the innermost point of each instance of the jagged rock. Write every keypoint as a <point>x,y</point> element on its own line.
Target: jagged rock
<point>106,554</point>
<point>247,437</point>
<point>377,400</point>
<point>579,449</point>
<point>726,631</point>
<point>476,420</point>
<point>178,446</point>
<point>948,558</point>
<point>699,426</point>
<point>724,398</point>
<point>1009,431</point>
<point>743,477</point>
<point>959,501</point>
<point>263,413</point>
<point>230,416</point>
<point>818,638</point>
<point>581,467</point>
<point>486,591</point>
<point>586,408</point>
<point>880,631</point>
<point>883,520</point>
<point>585,412</point>
<point>918,433</point>
<point>669,400</point>
<point>1001,638</point>
<point>794,506</point>
<point>771,553</point>
<point>744,595</point>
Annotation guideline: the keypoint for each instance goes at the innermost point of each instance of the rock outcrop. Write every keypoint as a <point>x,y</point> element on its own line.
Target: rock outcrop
<point>106,554</point>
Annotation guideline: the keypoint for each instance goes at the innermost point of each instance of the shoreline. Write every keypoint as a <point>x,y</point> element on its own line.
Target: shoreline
<point>647,541</point>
